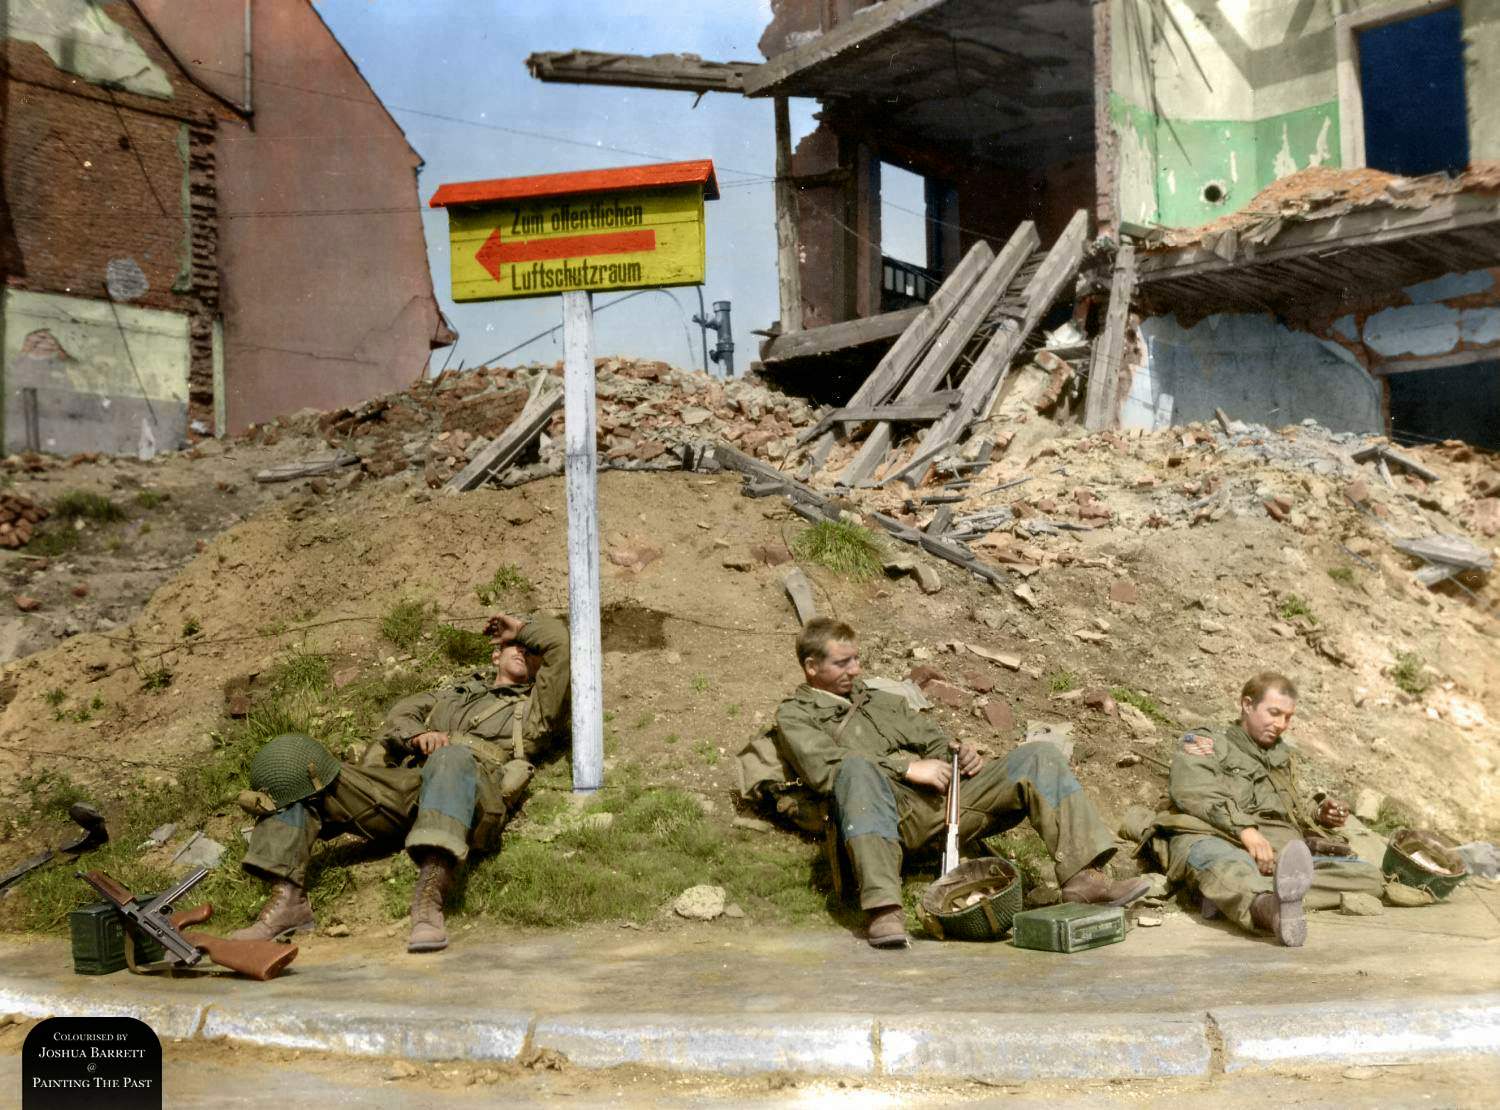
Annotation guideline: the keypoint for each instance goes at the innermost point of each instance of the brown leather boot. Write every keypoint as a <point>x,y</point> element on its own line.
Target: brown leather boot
<point>1280,913</point>
<point>1093,886</point>
<point>428,933</point>
<point>286,911</point>
<point>886,927</point>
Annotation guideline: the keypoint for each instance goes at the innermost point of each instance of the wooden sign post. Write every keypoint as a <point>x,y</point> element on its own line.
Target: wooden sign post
<point>571,234</point>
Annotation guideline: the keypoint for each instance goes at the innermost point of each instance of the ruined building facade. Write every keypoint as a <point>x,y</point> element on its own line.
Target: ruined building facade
<point>168,241</point>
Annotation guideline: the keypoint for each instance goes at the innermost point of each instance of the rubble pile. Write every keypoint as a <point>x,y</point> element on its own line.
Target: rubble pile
<point>645,409</point>
<point>18,517</point>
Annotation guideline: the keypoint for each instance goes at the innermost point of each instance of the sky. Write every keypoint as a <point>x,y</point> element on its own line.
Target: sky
<point>465,60</point>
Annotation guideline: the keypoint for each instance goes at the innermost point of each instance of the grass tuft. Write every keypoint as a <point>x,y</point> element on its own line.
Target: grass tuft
<point>150,498</point>
<point>404,623</point>
<point>840,546</point>
<point>506,580</point>
<point>1142,701</point>
<point>1344,576</point>
<point>77,504</point>
<point>1294,606</point>
<point>1060,682</point>
<point>1409,674</point>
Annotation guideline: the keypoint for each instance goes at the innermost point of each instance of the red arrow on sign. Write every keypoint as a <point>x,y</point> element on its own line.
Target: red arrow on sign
<point>495,253</point>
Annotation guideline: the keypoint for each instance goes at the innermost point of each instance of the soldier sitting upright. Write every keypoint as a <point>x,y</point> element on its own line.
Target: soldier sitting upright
<point>1240,829</point>
<point>447,773</point>
<point>886,769</point>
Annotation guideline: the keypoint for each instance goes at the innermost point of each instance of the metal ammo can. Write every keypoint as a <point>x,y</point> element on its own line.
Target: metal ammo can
<point>98,934</point>
<point>1069,927</point>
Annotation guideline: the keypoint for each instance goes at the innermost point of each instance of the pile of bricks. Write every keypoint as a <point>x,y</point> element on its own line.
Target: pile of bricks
<point>18,517</point>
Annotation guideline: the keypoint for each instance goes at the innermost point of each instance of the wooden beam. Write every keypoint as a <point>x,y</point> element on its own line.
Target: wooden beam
<point>546,398</point>
<point>788,266</point>
<point>1101,405</point>
<point>947,344</point>
<point>986,376</point>
<point>684,72</point>
<point>838,337</point>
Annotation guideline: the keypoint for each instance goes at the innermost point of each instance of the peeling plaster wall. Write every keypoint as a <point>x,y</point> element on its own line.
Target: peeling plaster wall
<point>82,40</point>
<point>1255,368</point>
<point>105,377</point>
<point>1238,93</point>
<point>1450,316</point>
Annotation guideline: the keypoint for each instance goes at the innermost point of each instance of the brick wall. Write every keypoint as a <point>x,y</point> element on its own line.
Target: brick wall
<point>93,175</point>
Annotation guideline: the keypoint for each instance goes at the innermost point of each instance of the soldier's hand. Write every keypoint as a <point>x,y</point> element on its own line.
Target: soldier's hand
<point>1260,850</point>
<point>429,742</point>
<point>1333,813</point>
<point>503,628</point>
<point>969,759</point>
<point>932,773</point>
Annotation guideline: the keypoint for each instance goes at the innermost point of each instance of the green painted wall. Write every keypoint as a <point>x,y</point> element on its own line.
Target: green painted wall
<point>1178,160</point>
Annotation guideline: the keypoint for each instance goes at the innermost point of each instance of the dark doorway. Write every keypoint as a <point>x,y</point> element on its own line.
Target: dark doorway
<point>1411,79</point>
<point>1455,402</point>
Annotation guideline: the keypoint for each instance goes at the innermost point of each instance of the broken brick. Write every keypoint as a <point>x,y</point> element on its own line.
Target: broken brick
<point>1124,592</point>
<point>998,715</point>
<point>979,682</point>
<point>26,603</point>
<point>946,693</point>
<point>922,674</point>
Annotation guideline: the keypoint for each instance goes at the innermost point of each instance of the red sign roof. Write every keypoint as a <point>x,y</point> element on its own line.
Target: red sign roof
<point>499,189</point>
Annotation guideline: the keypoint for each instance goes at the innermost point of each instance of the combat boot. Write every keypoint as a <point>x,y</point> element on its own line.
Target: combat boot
<point>1093,886</point>
<point>1280,913</point>
<point>286,911</point>
<point>886,927</point>
<point>428,933</point>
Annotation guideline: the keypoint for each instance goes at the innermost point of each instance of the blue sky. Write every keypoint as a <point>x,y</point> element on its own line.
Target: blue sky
<point>466,59</point>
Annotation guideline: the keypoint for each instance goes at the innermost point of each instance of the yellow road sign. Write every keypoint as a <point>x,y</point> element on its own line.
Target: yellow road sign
<point>632,228</point>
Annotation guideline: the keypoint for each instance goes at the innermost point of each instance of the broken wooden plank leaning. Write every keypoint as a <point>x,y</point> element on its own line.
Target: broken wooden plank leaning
<point>546,398</point>
<point>290,472</point>
<point>813,506</point>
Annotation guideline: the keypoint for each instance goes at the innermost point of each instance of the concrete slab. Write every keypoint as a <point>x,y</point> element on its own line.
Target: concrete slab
<point>33,999</point>
<point>1012,1049</point>
<point>1409,1031</point>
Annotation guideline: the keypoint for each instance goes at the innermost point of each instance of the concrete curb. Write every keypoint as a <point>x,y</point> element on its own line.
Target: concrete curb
<point>998,1047</point>
<point>1405,1032</point>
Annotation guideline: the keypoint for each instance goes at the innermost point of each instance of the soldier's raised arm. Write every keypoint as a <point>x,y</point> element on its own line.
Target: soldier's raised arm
<point>547,714</point>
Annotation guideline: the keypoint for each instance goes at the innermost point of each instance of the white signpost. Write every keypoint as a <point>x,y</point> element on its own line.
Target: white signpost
<point>635,228</point>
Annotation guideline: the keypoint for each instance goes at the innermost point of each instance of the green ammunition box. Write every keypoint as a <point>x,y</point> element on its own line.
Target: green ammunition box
<point>99,940</point>
<point>1069,927</point>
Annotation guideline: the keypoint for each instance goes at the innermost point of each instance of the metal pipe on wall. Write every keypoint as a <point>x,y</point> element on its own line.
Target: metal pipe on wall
<point>249,104</point>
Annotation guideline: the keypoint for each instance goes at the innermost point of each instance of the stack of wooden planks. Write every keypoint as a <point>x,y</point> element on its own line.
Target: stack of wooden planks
<point>948,366</point>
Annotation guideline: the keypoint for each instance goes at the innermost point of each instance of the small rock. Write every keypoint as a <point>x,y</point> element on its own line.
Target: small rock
<point>772,554</point>
<point>897,567</point>
<point>1023,592</point>
<point>693,415</point>
<point>1158,886</point>
<point>739,562</point>
<point>1057,733</point>
<point>199,851</point>
<point>998,715</point>
<point>1361,1073</point>
<point>26,603</point>
<point>1359,905</point>
<point>1089,635</point>
<point>402,1070</point>
<point>1124,592</point>
<point>80,590</point>
<point>1148,920</point>
<point>1137,722</point>
<point>1215,645</point>
<point>752,824</point>
<point>1367,805</point>
<point>1208,624</point>
<point>978,682</point>
<point>1097,697</point>
<point>160,835</point>
<point>336,930</point>
<point>700,903</point>
<point>1129,759</point>
<point>927,579</point>
<point>922,674</point>
<point>733,910</point>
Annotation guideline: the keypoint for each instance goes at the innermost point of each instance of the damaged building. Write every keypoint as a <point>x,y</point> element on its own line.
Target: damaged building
<point>177,259</point>
<point>1293,204</point>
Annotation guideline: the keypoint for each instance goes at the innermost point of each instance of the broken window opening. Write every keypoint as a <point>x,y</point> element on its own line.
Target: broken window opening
<point>1411,80</point>
<point>906,278</point>
<point>1450,402</point>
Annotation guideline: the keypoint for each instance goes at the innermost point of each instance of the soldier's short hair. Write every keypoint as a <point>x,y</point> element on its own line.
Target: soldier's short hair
<point>817,634</point>
<point>1262,684</point>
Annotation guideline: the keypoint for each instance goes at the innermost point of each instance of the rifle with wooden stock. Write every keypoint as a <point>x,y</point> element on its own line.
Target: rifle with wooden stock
<point>258,959</point>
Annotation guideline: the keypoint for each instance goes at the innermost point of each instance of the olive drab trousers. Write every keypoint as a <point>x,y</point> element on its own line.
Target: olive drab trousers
<point>452,801</point>
<point>879,818</point>
<point>1226,875</point>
